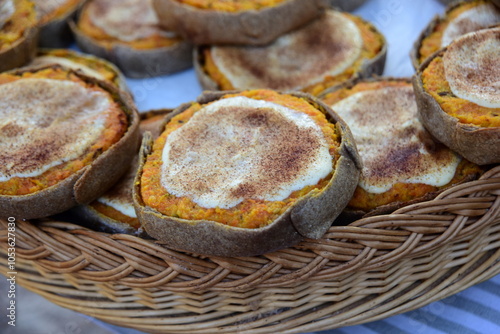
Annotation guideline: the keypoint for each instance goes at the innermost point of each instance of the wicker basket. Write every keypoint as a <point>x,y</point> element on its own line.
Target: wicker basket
<point>374,268</point>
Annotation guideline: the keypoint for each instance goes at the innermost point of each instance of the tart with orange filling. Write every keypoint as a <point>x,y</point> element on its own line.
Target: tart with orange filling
<point>402,163</point>
<point>127,33</point>
<point>458,95</point>
<point>245,173</point>
<point>325,53</point>
<point>247,22</point>
<point>65,139</point>
<point>53,16</point>
<point>460,18</point>
<point>18,33</point>
<point>88,64</point>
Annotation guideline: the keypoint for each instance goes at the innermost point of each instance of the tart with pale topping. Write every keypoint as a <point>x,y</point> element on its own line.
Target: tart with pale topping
<point>88,64</point>
<point>245,173</point>
<point>64,140</point>
<point>52,19</point>
<point>460,18</point>
<point>18,33</point>
<point>402,163</point>
<point>247,22</point>
<point>326,52</point>
<point>127,33</point>
<point>458,95</point>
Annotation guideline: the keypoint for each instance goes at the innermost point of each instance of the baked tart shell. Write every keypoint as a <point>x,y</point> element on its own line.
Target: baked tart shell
<point>89,182</point>
<point>249,27</point>
<point>135,63</point>
<point>480,145</point>
<point>370,67</point>
<point>309,217</point>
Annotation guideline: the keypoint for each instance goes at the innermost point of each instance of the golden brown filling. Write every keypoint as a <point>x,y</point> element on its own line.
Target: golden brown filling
<point>373,43</point>
<point>14,28</point>
<point>433,42</point>
<point>467,112</point>
<point>155,40</point>
<point>232,5</point>
<point>116,125</point>
<point>250,213</point>
<point>401,191</point>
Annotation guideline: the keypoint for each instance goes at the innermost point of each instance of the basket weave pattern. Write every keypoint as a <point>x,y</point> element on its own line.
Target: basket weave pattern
<point>367,244</point>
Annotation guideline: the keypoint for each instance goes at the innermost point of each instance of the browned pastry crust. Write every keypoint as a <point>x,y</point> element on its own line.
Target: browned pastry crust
<point>309,217</point>
<point>480,145</point>
<point>248,27</point>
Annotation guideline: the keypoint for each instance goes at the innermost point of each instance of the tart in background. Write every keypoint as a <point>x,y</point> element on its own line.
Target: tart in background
<point>65,139</point>
<point>114,212</point>
<point>53,16</point>
<point>329,51</point>
<point>402,163</point>
<point>18,33</point>
<point>248,22</point>
<point>90,65</point>
<point>245,173</point>
<point>458,95</point>
<point>127,33</point>
<point>460,18</point>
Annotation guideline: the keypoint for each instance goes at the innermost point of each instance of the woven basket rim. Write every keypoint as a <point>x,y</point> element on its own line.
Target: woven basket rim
<point>363,245</point>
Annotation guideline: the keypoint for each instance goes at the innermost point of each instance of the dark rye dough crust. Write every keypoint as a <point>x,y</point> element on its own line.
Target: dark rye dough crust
<point>477,144</point>
<point>309,217</point>
<point>56,33</point>
<point>21,52</point>
<point>89,182</point>
<point>249,27</point>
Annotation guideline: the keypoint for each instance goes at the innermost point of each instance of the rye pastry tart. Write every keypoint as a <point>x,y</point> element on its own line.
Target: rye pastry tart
<point>402,163</point>
<point>114,211</point>
<point>18,33</point>
<point>248,22</point>
<point>458,96</point>
<point>53,16</point>
<point>333,49</point>
<point>64,139</point>
<point>91,66</point>
<point>460,18</point>
<point>245,173</point>
<point>127,33</point>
